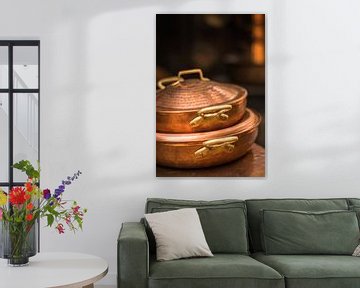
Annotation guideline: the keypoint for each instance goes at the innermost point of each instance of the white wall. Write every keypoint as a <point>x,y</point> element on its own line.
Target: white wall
<point>98,105</point>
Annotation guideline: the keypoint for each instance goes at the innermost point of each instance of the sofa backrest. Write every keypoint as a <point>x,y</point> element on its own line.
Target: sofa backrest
<point>223,221</point>
<point>353,202</point>
<point>256,205</point>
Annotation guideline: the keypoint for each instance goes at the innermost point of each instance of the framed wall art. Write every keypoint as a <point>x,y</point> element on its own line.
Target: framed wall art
<point>210,95</point>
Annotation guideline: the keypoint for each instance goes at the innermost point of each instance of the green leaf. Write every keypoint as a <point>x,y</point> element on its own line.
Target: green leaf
<point>50,219</point>
<point>79,221</point>
<point>52,211</point>
<point>22,164</point>
<point>28,168</point>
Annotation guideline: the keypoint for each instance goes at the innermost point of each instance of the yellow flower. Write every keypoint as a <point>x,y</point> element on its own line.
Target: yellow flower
<point>3,198</point>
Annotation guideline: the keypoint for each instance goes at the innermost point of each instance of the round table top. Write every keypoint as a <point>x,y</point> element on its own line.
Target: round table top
<point>59,269</point>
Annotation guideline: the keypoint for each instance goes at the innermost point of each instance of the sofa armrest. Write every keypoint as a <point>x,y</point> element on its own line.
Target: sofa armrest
<point>133,256</point>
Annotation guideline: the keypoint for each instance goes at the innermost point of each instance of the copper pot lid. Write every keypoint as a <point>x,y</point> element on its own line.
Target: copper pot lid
<point>250,121</point>
<point>177,93</point>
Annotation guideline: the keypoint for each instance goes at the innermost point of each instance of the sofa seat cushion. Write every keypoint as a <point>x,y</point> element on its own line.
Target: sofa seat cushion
<point>222,270</point>
<point>313,271</point>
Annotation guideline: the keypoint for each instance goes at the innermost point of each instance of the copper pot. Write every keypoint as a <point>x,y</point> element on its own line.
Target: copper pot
<point>205,149</point>
<point>196,105</point>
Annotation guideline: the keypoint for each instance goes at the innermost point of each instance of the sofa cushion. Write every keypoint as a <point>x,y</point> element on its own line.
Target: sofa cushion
<point>356,209</point>
<point>178,234</point>
<point>297,232</point>
<point>313,271</point>
<point>222,270</point>
<point>353,201</point>
<point>354,205</point>
<point>254,207</point>
<point>223,221</point>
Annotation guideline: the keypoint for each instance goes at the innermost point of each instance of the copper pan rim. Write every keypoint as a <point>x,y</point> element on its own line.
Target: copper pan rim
<point>165,110</point>
<point>250,121</point>
<point>196,143</point>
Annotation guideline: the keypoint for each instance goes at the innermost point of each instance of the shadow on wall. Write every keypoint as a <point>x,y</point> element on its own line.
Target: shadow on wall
<point>74,89</point>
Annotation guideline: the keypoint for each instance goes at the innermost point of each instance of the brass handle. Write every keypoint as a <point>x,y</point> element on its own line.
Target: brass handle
<point>226,144</point>
<point>174,80</point>
<point>177,79</point>
<point>192,71</point>
<point>211,112</point>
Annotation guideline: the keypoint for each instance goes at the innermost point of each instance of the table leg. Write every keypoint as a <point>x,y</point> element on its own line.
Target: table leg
<point>89,286</point>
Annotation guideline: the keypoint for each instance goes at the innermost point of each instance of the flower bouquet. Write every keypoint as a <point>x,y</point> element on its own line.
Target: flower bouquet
<point>21,208</point>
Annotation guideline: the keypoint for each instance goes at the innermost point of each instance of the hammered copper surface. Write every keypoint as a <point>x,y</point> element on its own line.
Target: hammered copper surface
<point>180,105</point>
<point>195,94</point>
<point>252,164</point>
<point>186,150</point>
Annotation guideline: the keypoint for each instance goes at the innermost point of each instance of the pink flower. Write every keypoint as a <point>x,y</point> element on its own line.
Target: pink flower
<point>76,210</point>
<point>1,212</point>
<point>60,228</point>
<point>68,219</point>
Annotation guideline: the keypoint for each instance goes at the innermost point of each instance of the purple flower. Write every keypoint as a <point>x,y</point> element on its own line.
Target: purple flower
<point>58,192</point>
<point>46,194</point>
<point>68,181</point>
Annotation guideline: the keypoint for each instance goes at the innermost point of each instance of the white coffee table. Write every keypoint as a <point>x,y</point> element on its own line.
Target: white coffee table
<point>45,270</point>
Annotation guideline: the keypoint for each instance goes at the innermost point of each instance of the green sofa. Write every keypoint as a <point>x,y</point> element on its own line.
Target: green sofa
<point>233,230</point>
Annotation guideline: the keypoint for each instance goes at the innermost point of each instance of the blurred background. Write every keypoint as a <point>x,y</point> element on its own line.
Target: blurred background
<point>228,48</point>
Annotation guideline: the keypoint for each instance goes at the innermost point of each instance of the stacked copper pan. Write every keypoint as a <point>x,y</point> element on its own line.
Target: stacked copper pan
<point>202,123</point>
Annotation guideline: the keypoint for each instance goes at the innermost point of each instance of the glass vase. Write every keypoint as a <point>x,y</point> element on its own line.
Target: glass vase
<point>18,242</point>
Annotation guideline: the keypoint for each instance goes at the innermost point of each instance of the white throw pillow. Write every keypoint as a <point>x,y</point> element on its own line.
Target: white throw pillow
<point>357,251</point>
<point>178,234</point>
